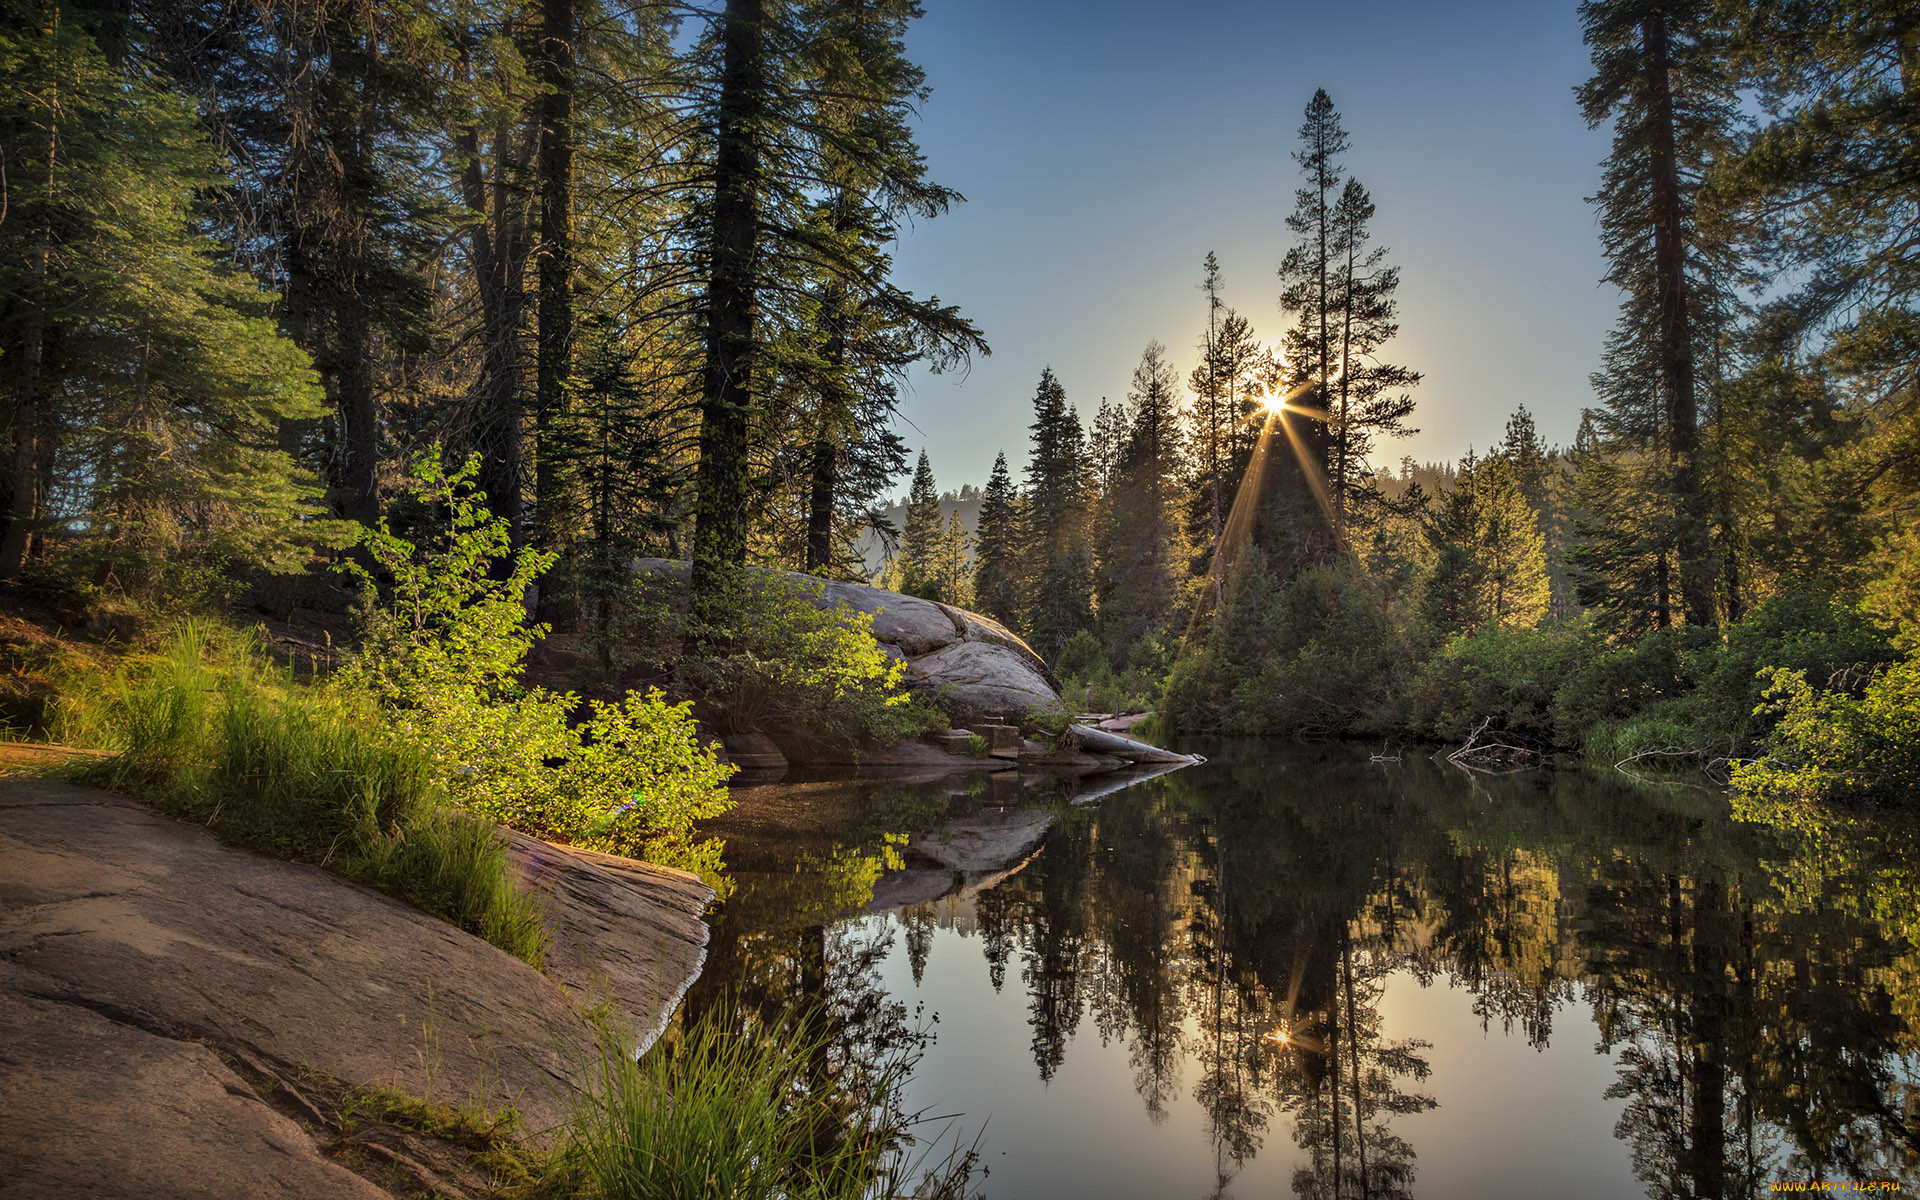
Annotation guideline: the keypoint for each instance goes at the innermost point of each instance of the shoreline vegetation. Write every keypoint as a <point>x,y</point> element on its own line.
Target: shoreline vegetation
<point>392,769</point>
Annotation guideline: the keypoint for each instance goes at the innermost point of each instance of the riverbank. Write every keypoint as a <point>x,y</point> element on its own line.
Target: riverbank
<point>182,1018</point>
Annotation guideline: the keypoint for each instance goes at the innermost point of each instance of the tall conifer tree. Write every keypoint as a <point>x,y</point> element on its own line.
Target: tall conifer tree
<point>1141,556</point>
<point>1366,398</point>
<point>1660,79</point>
<point>921,533</point>
<point>1058,554</point>
<point>996,560</point>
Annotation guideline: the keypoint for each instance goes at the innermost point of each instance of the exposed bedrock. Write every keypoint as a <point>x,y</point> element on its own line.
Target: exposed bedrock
<point>165,1000</point>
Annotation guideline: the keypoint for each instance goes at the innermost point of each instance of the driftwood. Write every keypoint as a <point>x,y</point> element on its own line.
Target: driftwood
<point>1476,755</point>
<point>1713,766</point>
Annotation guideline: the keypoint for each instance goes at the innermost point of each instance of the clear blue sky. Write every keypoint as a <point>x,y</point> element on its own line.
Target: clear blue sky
<point>1105,146</point>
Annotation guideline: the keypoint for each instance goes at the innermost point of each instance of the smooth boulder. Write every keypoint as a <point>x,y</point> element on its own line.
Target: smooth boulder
<point>968,664</point>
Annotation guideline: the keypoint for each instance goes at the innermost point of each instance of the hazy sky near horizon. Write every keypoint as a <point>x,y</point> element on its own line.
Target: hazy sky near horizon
<point>1105,146</point>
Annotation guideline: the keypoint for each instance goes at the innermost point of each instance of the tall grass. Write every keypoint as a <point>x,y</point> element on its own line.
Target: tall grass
<point>720,1114</point>
<point>207,729</point>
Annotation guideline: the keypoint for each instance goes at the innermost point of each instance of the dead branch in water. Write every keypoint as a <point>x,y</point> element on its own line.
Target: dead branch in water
<point>1476,753</point>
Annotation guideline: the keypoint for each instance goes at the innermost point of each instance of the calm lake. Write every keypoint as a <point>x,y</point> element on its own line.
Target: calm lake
<point>1297,971</point>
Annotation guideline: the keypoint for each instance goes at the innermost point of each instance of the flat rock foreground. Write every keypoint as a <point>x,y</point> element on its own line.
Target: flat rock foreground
<point>180,1018</point>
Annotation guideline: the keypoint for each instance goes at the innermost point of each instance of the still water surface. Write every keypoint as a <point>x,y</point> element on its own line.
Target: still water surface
<point>1297,971</point>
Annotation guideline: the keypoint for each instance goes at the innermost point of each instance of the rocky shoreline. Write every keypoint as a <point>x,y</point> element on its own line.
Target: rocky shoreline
<point>181,1018</point>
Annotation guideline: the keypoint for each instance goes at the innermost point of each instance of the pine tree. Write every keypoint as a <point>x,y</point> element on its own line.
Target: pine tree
<point>1367,398</point>
<point>867,332</point>
<point>1521,447</point>
<point>1210,419</point>
<point>996,561</point>
<point>812,100</point>
<point>1309,274</point>
<point>1057,554</point>
<point>1141,556</point>
<point>921,534</point>
<point>1490,566</point>
<point>557,69</point>
<point>1660,80</point>
<point>149,390</point>
<point>1106,444</point>
<point>1831,361</point>
<point>955,579</point>
<point>1310,284</point>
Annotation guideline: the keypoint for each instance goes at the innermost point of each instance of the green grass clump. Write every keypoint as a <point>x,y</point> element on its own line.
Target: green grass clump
<point>206,729</point>
<point>719,1114</point>
<point>977,746</point>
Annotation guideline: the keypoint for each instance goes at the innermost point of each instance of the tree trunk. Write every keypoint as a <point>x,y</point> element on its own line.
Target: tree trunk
<point>23,506</point>
<point>720,532</point>
<point>825,466</point>
<point>556,314</point>
<point>1676,333</point>
<point>825,479</point>
<point>499,261</point>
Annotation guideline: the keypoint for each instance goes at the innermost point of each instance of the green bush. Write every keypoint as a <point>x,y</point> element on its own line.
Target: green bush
<point>1051,721</point>
<point>1611,686</point>
<point>1336,665</point>
<point>782,658</point>
<point>1081,656</point>
<point>1703,689</point>
<point>1193,701</point>
<point>1506,677</point>
<point>442,654</point>
<point>1202,687</point>
<point>1829,640</point>
<point>1832,744</point>
<point>208,730</point>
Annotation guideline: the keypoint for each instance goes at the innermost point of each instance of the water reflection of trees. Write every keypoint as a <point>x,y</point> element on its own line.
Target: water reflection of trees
<point>1235,930</point>
<point>1761,1013</point>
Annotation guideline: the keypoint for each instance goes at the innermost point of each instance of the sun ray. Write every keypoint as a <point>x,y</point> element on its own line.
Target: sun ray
<point>1238,526</point>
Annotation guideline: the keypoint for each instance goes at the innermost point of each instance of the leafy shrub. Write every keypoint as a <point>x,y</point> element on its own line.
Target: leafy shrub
<point>1081,656</point>
<point>1126,679</point>
<point>1506,676</point>
<point>1703,688</point>
<point>1201,687</point>
<point>208,730</point>
<point>442,656</point>
<point>977,746</point>
<point>1830,743</point>
<point>1828,639</point>
<point>1051,721</point>
<point>1613,685</point>
<point>1193,701</point>
<point>782,657</point>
